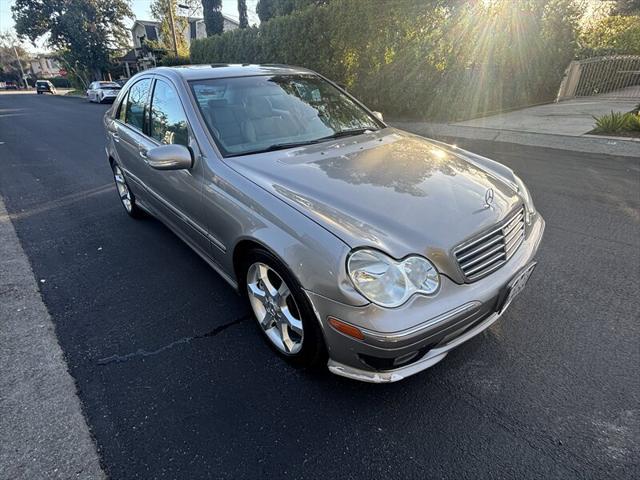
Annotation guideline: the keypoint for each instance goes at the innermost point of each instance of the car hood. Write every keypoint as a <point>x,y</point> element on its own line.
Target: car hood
<point>391,190</point>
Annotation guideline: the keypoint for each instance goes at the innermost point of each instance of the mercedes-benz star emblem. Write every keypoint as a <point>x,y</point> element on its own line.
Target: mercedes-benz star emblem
<point>488,198</point>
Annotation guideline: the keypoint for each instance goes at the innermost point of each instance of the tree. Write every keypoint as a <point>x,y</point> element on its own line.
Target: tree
<point>213,19</point>
<point>88,32</point>
<point>9,62</point>
<point>267,9</point>
<point>242,13</point>
<point>161,10</point>
<point>613,35</point>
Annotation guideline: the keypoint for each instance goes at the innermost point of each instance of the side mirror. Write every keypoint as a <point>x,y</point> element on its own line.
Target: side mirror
<point>169,157</point>
<point>378,115</point>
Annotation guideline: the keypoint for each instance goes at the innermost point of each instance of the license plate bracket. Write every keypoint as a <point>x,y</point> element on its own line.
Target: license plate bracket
<point>515,286</point>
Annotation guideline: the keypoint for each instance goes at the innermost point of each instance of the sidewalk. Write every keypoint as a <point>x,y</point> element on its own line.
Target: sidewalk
<point>43,433</point>
<point>570,117</point>
<point>556,125</point>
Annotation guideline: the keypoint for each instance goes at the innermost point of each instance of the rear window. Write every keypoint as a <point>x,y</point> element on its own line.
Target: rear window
<point>108,86</point>
<point>137,103</point>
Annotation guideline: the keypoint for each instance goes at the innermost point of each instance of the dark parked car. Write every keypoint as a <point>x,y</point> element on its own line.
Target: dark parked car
<point>11,86</point>
<point>45,86</point>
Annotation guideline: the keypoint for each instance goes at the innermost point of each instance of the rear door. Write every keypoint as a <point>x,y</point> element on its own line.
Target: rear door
<point>129,135</point>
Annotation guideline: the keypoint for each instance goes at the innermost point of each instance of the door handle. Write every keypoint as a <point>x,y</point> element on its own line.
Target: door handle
<point>143,153</point>
<point>115,136</point>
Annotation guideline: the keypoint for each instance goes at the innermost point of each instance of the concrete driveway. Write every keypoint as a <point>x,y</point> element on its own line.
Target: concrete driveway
<point>570,117</point>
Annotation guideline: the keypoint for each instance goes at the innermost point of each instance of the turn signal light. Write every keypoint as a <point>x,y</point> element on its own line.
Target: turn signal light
<point>345,328</point>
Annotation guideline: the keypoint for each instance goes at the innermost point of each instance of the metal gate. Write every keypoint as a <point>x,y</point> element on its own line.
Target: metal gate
<point>613,77</point>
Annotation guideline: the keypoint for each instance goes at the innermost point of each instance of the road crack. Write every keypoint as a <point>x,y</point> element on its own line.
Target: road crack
<point>145,353</point>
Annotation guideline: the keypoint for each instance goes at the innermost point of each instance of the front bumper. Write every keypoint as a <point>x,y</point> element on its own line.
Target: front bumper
<point>399,342</point>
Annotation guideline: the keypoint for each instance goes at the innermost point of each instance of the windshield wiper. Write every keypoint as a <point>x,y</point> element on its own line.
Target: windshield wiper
<point>283,146</point>
<point>348,133</point>
<point>278,146</point>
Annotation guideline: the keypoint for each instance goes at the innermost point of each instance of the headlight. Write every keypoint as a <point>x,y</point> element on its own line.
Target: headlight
<point>388,282</point>
<point>530,209</point>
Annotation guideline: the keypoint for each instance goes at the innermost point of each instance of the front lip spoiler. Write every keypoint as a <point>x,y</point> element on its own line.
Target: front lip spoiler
<point>431,358</point>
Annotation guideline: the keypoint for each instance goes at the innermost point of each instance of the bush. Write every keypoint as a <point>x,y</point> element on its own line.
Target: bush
<point>617,122</point>
<point>634,123</point>
<point>614,35</point>
<point>172,60</point>
<point>433,59</point>
<point>59,82</point>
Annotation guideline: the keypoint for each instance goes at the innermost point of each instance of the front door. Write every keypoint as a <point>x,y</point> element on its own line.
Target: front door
<point>177,192</point>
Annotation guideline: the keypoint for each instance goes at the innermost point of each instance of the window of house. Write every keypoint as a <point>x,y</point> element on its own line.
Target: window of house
<point>168,120</point>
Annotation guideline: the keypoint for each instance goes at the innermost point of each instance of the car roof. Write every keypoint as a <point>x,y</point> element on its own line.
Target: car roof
<point>225,70</point>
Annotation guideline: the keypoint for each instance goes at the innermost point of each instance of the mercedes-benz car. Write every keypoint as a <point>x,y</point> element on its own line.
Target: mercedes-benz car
<point>357,245</point>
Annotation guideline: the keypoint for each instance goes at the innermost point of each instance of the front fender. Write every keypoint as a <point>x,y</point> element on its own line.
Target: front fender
<point>245,212</point>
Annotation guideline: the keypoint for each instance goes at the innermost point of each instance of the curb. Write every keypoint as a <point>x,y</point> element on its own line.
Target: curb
<point>43,430</point>
<point>605,146</point>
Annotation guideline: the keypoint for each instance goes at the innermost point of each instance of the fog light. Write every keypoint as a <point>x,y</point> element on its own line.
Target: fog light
<point>345,328</point>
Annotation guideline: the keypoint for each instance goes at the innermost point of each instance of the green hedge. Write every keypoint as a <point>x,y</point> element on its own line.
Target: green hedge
<point>433,59</point>
<point>59,82</point>
<point>172,60</point>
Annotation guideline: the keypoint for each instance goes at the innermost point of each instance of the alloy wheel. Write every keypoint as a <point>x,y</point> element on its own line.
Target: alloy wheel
<point>123,188</point>
<point>275,308</point>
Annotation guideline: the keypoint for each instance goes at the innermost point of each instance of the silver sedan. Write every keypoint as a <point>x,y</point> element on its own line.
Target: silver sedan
<point>357,245</point>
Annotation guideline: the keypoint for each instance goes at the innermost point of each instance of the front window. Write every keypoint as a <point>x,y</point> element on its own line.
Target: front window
<point>168,120</point>
<point>263,113</point>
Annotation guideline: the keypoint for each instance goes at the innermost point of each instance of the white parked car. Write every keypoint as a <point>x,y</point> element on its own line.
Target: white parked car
<point>103,91</point>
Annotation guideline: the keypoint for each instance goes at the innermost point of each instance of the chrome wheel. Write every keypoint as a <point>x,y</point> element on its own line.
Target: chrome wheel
<point>275,308</point>
<point>123,189</point>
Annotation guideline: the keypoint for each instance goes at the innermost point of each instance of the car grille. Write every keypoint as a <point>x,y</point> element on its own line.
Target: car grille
<point>486,253</point>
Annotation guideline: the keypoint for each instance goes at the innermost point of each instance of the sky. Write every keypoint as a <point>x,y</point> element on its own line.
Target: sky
<point>140,10</point>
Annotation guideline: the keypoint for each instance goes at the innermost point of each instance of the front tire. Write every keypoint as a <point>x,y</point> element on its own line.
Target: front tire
<point>282,310</point>
<point>127,199</point>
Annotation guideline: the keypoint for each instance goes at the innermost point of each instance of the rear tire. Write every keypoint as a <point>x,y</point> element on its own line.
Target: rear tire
<point>282,310</point>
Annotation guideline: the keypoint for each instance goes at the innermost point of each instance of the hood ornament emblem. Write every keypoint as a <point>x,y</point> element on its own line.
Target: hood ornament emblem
<point>488,198</point>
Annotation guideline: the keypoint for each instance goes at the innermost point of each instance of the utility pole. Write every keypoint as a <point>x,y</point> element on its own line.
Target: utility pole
<point>173,29</point>
<point>21,70</point>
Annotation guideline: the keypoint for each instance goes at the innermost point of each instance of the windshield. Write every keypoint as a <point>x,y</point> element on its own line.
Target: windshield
<point>108,86</point>
<point>263,113</point>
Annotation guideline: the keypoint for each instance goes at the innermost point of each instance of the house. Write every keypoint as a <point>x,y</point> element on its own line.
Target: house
<point>44,66</point>
<point>149,30</point>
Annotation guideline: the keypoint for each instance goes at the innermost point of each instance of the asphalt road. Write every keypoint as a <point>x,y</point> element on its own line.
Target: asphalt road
<point>176,381</point>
